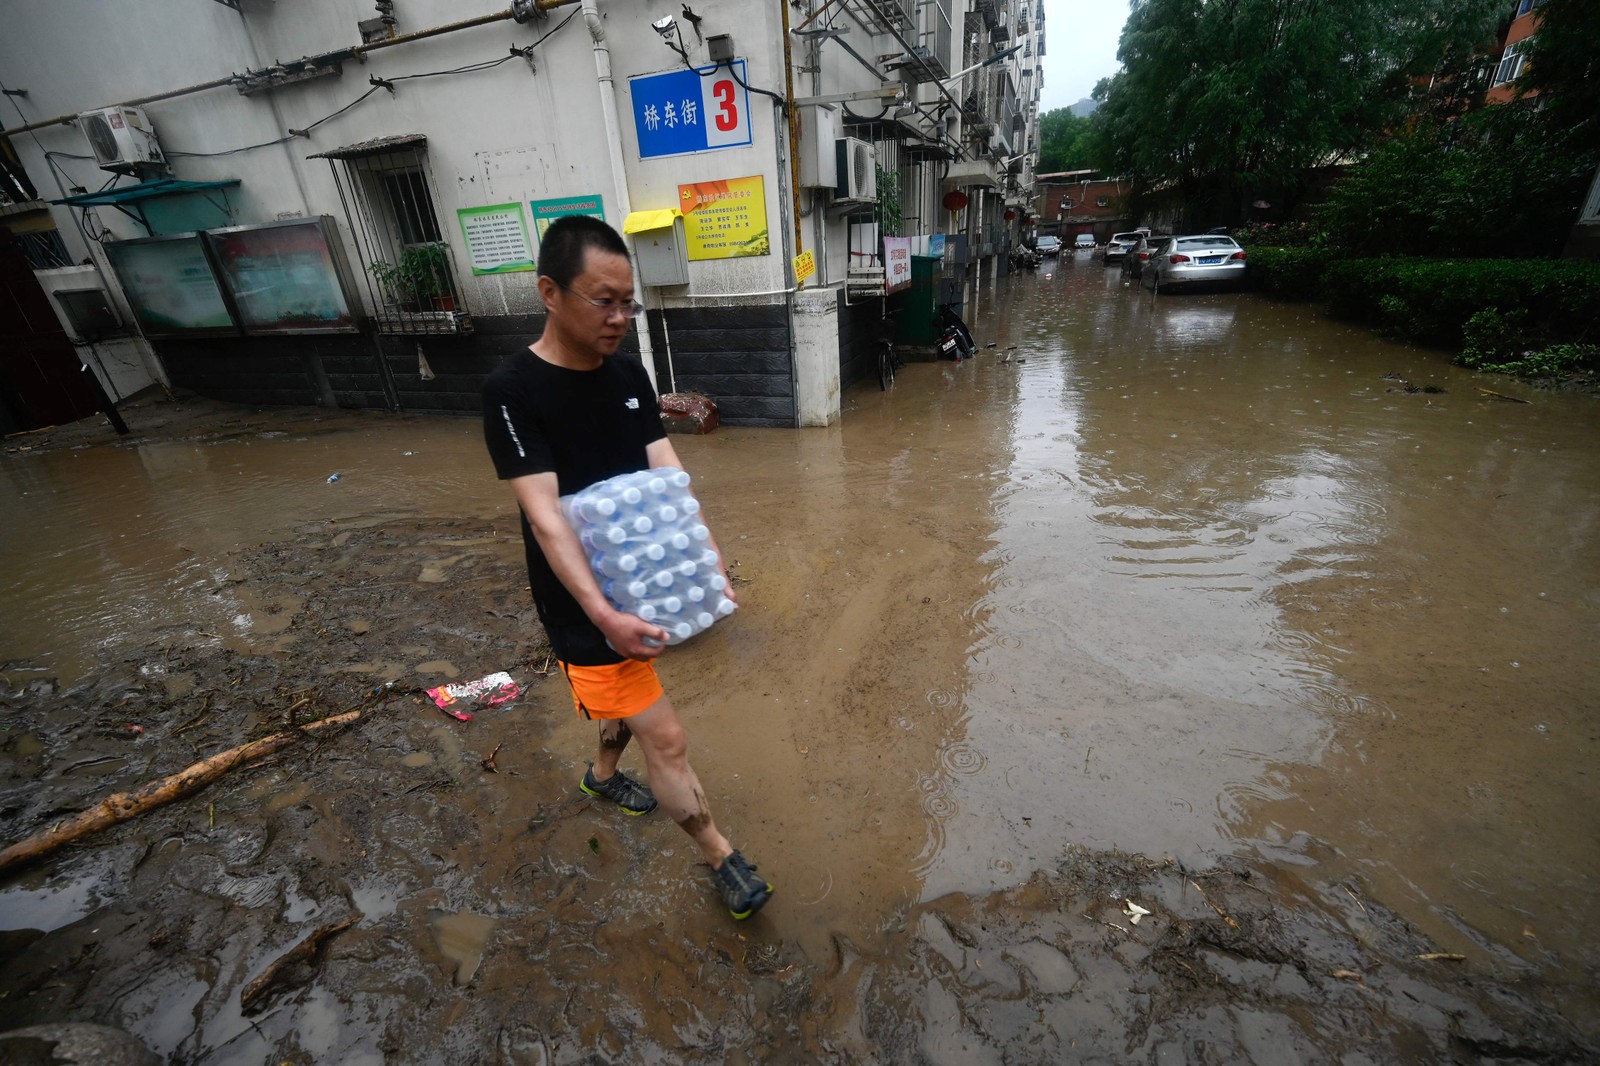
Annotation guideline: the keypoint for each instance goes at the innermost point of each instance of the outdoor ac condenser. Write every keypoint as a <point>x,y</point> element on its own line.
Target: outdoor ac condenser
<point>858,170</point>
<point>122,138</point>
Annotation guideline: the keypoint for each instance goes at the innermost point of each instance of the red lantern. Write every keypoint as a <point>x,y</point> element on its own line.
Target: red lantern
<point>955,200</point>
<point>1009,215</point>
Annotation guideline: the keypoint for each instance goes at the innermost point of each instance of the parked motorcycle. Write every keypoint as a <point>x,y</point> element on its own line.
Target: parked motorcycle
<point>1025,258</point>
<point>955,340</point>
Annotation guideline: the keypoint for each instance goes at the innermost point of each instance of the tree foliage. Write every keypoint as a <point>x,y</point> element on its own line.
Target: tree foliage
<point>1563,67</point>
<point>1233,101</point>
<point>1500,181</point>
<point>1065,142</point>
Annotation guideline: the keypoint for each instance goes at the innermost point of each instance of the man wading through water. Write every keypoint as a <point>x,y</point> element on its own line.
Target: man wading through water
<point>558,417</point>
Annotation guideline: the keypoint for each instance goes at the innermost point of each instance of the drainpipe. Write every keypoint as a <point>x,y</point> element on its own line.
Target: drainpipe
<point>619,173</point>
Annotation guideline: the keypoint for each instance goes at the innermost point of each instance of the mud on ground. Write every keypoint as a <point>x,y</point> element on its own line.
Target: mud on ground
<point>498,915</point>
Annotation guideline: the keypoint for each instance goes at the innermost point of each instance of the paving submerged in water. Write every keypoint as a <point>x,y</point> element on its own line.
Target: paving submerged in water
<point>502,916</point>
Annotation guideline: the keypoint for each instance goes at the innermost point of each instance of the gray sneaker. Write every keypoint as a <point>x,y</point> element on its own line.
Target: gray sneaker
<point>632,796</point>
<point>741,889</point>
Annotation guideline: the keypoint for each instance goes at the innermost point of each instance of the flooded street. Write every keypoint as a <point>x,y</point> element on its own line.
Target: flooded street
<point>1185,600</point>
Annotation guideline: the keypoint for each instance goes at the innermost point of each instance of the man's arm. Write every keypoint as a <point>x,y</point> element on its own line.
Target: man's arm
<point>662,453</point>
<point>540,498</point>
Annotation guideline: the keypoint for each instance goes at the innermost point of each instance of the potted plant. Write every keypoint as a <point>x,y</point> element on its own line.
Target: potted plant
<point>420,279</point>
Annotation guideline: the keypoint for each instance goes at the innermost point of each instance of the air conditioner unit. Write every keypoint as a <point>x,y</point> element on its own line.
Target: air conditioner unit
<point>122,139</point>
<point>858,170</point>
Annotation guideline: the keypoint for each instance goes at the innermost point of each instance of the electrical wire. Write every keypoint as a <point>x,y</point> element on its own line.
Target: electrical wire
<point>706,72</point>
<point>488,64</point>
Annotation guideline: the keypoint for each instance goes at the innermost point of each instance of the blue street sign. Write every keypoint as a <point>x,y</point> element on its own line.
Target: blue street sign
<point>691,110</point>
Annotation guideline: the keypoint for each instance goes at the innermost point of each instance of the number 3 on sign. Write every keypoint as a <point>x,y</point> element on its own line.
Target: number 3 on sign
<point>728,108</point>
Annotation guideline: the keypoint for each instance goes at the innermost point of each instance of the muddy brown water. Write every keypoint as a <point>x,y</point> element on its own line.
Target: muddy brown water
<point>1151,585</point>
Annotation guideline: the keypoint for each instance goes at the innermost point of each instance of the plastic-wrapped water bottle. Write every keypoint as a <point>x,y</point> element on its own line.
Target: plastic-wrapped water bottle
<point>616,564</point>
<point>645,536</point>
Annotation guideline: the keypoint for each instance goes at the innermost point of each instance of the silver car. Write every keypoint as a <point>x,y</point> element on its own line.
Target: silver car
<point>1204,259</point>
<point>1118,245</point>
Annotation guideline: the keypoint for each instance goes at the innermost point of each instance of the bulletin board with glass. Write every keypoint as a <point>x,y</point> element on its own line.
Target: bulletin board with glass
<point>171,286</point>
<point>286,276</point>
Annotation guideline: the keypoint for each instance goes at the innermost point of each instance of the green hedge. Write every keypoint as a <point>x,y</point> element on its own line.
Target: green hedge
<point>1293,273</point>
<point>1430,301</point>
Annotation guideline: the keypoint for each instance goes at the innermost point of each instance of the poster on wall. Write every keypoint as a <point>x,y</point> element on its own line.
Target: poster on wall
<point>170,286</point>
<point>687,111</point>
<point>725,219</point>
<point>283,277</point>
<point>547,211</point>
<point>896,263</point>
<point>497,238</point>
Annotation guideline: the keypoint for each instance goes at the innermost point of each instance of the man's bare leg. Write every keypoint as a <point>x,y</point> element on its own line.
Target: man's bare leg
<point>673,780</point>
<point>614,737</point>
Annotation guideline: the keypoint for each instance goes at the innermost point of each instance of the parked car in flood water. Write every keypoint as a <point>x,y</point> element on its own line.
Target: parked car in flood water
<point>1049,245</point>
<point>1117,247</point>
<point>1133,262</point>
<point>1082,241</point>
<point>1205,259</point>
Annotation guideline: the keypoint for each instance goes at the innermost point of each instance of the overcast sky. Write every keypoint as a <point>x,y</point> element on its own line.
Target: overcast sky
<point>1080,47</point>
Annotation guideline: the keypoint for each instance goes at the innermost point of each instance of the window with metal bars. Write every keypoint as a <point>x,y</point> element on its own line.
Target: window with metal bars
<point>44,250</point>
<point>387,192</point>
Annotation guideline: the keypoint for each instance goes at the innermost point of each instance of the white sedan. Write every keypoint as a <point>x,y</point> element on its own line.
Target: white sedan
<point>1206,259</point>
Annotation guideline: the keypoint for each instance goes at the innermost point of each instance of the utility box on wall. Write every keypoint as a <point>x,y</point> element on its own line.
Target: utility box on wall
<point>819,160</point>
<point>662,254</point>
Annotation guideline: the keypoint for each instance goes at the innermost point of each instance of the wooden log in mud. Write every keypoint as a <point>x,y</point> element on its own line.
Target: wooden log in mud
<point>121,806</point>
<point>291,968</point>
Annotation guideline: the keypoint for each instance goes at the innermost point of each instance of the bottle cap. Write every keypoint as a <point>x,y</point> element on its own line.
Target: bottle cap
<point>668,513</point>
<point>664,579</point>
<point>654,552</point>
<point>630,495</point>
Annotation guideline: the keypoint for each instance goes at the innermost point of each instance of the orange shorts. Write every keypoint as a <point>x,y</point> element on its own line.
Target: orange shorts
<point>620,690</point>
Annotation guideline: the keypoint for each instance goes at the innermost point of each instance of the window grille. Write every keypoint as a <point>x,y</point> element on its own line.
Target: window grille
<point>388,196</point>
<point>44,250</point>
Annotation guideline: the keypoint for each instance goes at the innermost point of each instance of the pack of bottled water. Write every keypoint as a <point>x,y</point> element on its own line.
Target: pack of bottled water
<point>650,549</point>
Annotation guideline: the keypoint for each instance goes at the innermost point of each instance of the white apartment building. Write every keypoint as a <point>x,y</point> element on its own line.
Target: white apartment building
<point>339,202</point>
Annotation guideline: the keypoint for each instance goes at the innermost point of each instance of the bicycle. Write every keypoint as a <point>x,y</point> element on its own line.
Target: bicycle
<point>888,354</point>
<point>888,360</point>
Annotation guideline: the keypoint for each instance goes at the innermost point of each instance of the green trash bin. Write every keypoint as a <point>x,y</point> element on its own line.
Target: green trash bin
<point>914,308</point>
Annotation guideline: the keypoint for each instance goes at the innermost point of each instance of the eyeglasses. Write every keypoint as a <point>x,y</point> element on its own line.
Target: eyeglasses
<point>626,308</point>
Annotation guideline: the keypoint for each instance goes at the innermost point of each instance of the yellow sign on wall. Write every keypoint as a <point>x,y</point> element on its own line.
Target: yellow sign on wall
<point>725,219</point>
<point>805,265</point>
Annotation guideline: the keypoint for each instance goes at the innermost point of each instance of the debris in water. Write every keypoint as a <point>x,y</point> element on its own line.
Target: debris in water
<point>1441,956</point>
<point>1348,975</point>
<point>332,478</point>
<point>1502,396</point>
<point>488,691</point>
<point>488,764</point>
<point>1133,911</point>
<point>594,844</point>
<point>292,968</point>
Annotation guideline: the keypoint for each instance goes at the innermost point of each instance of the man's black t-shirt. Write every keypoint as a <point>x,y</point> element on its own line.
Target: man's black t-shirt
<point>585,426</point>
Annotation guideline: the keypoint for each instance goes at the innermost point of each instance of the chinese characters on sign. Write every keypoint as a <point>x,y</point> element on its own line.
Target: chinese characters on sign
<point>680,111</point>
<point>497,238</point>
<point>724,219</point>
<point>547,211</point>
<point>896,263</point>
<point>805,265</point>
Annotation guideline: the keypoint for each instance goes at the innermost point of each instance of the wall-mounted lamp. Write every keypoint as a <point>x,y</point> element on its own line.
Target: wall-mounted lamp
<point>666,25</point>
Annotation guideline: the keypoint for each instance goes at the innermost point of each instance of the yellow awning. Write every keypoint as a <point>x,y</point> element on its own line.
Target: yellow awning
<point>660,218</point>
